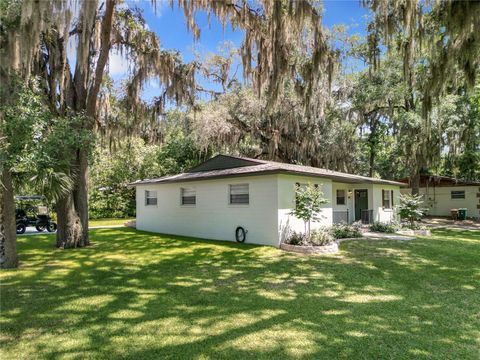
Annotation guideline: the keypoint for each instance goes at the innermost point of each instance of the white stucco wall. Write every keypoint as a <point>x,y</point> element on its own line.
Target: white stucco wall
<point>350,188</point>
<point>267,218</point>
<point>286,203</point>
<point>439,202</point>
<point>212,217</point>
<point>374,200</point>
<point>379,213</point>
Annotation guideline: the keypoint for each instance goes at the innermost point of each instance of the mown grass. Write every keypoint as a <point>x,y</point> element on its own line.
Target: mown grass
<point>107,222</point>
<point>138,295</point>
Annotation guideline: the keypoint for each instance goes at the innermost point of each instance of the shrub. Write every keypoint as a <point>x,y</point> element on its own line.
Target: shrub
<point>415,226</point>
<point>384,227</point>
<point>317,238</point>
<point>410,208</point>
<point>344,231</point>
<point>321,237</point>
<point>296,238</point>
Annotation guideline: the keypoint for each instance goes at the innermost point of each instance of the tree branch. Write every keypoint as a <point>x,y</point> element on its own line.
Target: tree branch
<point>102,58</point>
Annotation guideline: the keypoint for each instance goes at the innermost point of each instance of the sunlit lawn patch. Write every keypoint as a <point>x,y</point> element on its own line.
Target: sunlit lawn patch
<point>139,295</point>
<point>107,222</point>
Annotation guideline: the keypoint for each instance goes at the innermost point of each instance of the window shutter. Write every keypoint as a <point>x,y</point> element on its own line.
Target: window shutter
<point>383,198</point>
<point>391,199</point>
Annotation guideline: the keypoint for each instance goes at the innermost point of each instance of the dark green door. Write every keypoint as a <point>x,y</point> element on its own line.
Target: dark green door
<point>361,203</point>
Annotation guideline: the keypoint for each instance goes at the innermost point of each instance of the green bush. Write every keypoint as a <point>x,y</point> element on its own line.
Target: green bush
<point>410,208</point>
<point>297,238</point>
<point>324,236</point>
<point>321,237</point>
<point>384,227</point>
<point>344,231</point>
<point>317,237</point>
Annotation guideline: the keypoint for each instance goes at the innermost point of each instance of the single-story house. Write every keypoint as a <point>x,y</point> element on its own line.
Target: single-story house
<point>226,192</point>
<point>442,193</point>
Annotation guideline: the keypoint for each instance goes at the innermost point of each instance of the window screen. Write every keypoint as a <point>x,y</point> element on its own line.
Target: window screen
<point>150,197</point>
<point>457,194</point>
<point>340,197</point>
<point>239,194</point>
<point>189,196</point>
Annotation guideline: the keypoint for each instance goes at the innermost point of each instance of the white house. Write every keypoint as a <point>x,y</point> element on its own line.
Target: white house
<point>215,198</point>
<point>442,194</point>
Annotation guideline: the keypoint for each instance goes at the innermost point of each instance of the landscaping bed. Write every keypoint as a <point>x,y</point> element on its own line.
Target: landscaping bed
<point>330,248</point>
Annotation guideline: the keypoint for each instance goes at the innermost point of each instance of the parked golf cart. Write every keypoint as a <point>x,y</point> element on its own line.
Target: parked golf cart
<point>30,213</point>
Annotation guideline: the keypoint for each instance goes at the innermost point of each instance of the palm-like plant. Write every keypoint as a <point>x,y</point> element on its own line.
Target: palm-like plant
<point>410,208</point>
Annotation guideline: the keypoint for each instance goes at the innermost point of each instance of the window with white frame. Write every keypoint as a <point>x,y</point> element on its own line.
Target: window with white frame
<point>188,196</point>
<point>150,197</point>
<point>459,194</point>
<point>341,197</point>
<point>239,194</point>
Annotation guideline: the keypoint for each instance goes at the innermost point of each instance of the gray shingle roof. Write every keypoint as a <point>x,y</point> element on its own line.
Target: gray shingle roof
<point>223,166</point>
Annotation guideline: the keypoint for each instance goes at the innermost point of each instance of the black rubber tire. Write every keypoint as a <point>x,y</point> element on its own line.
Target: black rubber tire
<point>21,228</point>
<point>240,234</point>
<point>52,227</point>
<point>40,228</point>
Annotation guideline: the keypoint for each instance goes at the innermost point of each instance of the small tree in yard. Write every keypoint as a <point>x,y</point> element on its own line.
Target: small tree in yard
<point>308,202</point>
<point>410,208</point>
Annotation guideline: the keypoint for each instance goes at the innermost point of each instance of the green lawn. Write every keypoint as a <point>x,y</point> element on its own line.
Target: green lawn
<point>143,296</point>
<point>107,222</point>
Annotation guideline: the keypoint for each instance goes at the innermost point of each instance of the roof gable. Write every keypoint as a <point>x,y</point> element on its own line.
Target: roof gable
<point>222,166</point>
<point>221,162</point>
<point>437,180</point>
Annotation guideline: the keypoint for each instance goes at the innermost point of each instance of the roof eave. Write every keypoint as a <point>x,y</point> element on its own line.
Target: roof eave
<point>264,172</point>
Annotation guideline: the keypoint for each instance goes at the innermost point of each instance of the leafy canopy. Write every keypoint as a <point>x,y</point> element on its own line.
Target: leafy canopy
<point>410,208</point>
<point>308,203</point>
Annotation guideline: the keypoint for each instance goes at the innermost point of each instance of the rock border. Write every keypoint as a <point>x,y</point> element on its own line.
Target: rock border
<point>331,248</point>
<point>131,223</point>
<point>423,232</point>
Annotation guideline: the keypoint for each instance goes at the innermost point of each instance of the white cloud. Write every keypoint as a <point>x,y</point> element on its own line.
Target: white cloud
<point>118,64</point>
<point>156,7</point>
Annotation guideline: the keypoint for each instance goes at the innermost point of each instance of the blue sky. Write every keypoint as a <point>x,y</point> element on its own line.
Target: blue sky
<point>170,26</point>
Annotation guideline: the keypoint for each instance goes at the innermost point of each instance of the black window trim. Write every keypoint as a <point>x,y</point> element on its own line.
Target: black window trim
<point>344,197</point>
<point>462,194</point>
<point>390,199</point>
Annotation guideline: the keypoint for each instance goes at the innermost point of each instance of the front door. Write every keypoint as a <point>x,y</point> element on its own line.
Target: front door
<point>361,203</point>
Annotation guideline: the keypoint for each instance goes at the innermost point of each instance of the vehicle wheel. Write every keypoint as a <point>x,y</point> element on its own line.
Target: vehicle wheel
<point>21,228</point>
<point>40,228</point>
<point>52,227</point>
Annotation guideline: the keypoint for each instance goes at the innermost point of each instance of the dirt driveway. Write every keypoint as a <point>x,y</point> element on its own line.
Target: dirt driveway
<point>444,222</point>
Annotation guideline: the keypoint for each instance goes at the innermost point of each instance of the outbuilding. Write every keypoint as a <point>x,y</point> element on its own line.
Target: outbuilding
<point>227,193</point>
<point>442,194</point>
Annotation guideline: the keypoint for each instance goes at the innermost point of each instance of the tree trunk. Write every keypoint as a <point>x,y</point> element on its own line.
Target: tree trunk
<point>8,235</point>
<point>371,162</point>
<point>72,210</point>
<point>69,228</point>
<point>415,183</point>
<point>81,195</point>
<point>372,144</point>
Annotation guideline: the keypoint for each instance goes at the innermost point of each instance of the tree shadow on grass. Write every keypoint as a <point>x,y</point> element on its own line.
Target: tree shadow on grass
<point>141,295</point>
